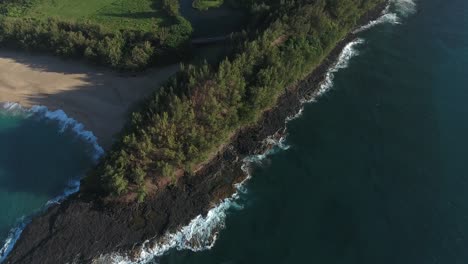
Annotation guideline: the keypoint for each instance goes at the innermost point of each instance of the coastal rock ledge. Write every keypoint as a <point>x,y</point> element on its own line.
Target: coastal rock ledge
<point>83,228</point>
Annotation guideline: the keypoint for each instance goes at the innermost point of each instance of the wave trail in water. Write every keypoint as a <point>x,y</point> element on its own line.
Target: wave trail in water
<point>393,13</point>
<point>68,123</point>
<point>65,123</point>
<point>348,52</point>
<point>201,232</point>
<point>404,7</point>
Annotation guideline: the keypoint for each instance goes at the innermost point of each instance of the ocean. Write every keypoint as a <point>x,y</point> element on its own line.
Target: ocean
<point>377,166</point>
<point>43,154</point>
<point>374,170</point>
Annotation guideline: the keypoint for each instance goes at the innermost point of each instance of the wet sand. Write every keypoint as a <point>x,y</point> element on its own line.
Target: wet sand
<point>97,97</point>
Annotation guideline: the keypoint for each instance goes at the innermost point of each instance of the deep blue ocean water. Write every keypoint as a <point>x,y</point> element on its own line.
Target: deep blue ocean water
<point>377,169</point>
<point>38,162</point>
<point>376,172</point>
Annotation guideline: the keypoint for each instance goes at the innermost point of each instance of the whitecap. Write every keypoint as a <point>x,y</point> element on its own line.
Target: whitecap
<point>202,231</point>
<point>348,52</point>
<point>12,237</point>
<point>65,123</point>
<point>386,17</point>
<point>392,14</point>
<point>404,7</point>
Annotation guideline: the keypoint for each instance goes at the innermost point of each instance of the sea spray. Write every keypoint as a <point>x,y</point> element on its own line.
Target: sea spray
<point>65,124</point>
<point>348,52</point>
<point>404,8</point>
<point>13,235</point>
<point>202,231</point>
<point>386,17</point>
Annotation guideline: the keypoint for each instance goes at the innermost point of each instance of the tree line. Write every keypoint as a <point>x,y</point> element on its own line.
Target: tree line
<point>184,122</point>
<point>120,49</point>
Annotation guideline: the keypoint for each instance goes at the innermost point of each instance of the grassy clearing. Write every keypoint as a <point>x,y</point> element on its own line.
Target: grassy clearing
<point>206,4</point>
<point>123,34</point>
<point>115,14</point>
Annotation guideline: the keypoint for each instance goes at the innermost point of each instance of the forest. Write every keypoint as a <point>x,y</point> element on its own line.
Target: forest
<point>186,121</point>
<point>109,39</point>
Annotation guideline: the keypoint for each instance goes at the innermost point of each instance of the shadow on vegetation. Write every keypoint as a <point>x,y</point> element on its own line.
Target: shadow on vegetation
<point>96,97</point>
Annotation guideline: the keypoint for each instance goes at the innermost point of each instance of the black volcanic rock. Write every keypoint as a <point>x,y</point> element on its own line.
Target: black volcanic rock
<point>82,228</point>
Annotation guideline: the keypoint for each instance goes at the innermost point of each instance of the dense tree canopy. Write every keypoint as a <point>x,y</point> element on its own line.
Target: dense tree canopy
<point>196,112</point>
<point>121,49</point>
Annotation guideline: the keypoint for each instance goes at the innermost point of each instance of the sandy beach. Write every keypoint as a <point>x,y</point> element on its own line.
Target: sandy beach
<point>96,97</point>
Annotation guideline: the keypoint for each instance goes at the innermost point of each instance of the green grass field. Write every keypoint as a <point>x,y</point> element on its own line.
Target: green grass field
<point>115,14</point>
<point>206,4</point>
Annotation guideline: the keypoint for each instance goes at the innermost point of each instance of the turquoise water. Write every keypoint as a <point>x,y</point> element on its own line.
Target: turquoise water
<point>377,171</point>
<point>38,162</point>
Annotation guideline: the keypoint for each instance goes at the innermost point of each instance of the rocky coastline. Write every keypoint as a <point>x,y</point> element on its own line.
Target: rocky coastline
<point>82,227</point>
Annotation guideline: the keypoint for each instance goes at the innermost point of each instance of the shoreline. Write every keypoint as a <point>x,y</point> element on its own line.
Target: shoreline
<point>96,97</point>
<point>82,219</point>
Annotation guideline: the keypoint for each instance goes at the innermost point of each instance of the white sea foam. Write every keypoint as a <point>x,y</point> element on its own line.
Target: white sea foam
<point>404,7</point>
<point>393,13</point>
<point>65,123</point>
<point>13,235</point>
<point>348,52</point>
<point>68,123</point>
<point>200,234</point>
<point>386,17</point>
<point>202,231</point>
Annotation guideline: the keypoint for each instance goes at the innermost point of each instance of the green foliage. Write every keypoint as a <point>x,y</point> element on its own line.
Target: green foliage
<point>127,49</point>
<point>114,14</point>
<point>182,124</point>
<point>172,7</point>
<point>141,195</point>
<point>206,4</point>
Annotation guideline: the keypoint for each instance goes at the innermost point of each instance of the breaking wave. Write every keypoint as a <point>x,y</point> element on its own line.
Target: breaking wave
<point>65,124</point>
<point>386,17</point>
<point>404,8</point>
<point>348,52</point>
<point>68,123</point>
<point>201,233</point>
<point>392,14</point>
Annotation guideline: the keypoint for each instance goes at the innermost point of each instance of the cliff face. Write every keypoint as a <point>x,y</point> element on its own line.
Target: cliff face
<point>82,228</point>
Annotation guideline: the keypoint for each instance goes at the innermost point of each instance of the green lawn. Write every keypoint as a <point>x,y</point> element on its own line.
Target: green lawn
<point>115,14</point>
<point>206,4</point>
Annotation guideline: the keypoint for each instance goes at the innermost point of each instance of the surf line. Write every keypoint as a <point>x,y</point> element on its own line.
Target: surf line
<point>201,233</point>
<point>65,123</point>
